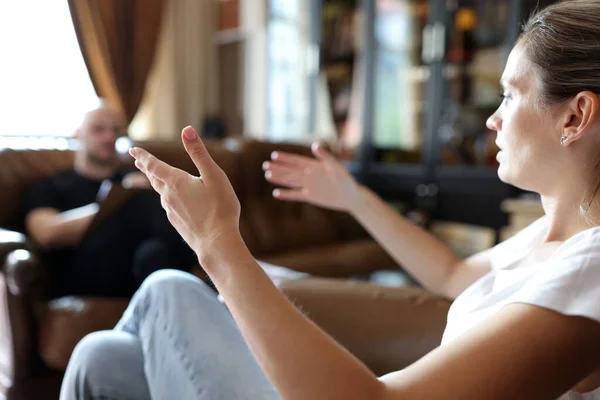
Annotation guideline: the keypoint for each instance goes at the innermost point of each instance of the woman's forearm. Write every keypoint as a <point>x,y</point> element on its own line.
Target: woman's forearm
<point>423,256</point>
<point>299,359</point>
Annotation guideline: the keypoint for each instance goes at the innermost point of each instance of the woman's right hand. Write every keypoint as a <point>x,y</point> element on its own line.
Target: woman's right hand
<point>323,181</point>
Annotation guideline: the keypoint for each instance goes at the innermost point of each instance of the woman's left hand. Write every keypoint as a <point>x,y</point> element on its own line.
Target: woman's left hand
<point>202,209</point>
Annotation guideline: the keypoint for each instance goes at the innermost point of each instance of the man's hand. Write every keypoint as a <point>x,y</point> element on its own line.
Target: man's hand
<point>135,180</point>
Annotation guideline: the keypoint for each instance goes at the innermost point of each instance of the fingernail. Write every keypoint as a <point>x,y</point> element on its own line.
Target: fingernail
<point>133,151</point>
<point>268,174</point>
<point>274,155</point>
<point>276,193</point>
<point>190,133</point>
<point>265,165</point>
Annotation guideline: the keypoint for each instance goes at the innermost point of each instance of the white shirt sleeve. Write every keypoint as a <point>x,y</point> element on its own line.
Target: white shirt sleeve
<point>569,282</point>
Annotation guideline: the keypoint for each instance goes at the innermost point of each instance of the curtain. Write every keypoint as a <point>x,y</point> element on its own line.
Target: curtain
<point>118,41</point>
<point>183,88</point>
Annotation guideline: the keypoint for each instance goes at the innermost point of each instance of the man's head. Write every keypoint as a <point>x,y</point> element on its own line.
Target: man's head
<point>100,129</point>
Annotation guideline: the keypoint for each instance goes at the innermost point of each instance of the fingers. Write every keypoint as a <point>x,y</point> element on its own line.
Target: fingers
<point>289,194</point>
<point>292,160</point>
<point>319,151</point>
<point>159,173</point>
<point>283,169</point>
<point>283,180</point>
<point>149,164</point>
<point>197,151</point>
<point>157,184</point>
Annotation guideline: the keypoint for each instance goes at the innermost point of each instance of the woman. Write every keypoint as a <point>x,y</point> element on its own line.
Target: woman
<point>526,320</point>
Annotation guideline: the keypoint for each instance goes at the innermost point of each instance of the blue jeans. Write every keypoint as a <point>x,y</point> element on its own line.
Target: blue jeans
<point>175,341</point>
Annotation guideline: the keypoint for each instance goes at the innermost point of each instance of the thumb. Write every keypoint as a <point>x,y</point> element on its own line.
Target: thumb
<point>197,151</point>
<point>319,151</point>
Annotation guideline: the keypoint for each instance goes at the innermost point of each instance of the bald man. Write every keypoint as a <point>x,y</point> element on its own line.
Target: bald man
<point>115,257</point>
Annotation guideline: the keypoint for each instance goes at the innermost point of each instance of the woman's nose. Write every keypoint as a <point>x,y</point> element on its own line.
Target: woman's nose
<point>494,122</point>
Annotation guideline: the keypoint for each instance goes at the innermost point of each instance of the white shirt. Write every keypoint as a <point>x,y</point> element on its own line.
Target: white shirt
<point>568,282</point>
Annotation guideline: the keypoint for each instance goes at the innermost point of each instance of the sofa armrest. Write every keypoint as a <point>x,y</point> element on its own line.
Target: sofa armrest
<point>386,328</point>
<point>25,276</point>
<point>10,240</point>
<point>22,282</point>
<point>335,260</point>
<point>19,278</point>
<point>22,271</point>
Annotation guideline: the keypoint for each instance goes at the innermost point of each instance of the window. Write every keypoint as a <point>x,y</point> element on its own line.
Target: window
<point>288,73</point>
<point>44,85</point>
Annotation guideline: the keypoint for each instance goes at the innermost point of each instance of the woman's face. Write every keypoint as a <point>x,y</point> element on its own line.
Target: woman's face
<point>527,133</point>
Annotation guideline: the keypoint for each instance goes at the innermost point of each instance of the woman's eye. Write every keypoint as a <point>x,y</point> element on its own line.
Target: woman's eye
<point>505,96</point>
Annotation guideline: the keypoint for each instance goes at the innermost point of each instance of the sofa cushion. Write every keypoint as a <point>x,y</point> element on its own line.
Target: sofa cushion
<point>341,259</point>
<point>67,320</point>
<point>387,328</point>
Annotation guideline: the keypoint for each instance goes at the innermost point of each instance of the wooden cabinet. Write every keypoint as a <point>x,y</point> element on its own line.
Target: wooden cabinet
<point>229,14</point>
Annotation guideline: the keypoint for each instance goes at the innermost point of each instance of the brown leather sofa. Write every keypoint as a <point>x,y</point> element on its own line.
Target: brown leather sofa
<point>386,328</point>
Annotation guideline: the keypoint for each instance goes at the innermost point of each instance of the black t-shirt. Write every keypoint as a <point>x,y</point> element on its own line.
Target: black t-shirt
<point>105,262</point>
<point>65,191</point>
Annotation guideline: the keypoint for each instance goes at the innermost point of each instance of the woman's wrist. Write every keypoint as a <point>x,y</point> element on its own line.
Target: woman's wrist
<point>225,249</point>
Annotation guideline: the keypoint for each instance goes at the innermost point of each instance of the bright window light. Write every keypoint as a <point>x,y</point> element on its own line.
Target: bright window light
<point>44,85</point>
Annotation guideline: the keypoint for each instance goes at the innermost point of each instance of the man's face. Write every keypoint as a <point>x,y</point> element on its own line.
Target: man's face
<point>99,132</point>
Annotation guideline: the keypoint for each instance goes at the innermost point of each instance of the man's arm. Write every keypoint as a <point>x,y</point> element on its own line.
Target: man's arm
<point>51,228</point>
<point>135,180</point>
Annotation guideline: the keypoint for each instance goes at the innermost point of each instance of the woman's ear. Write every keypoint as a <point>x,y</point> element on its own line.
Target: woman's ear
<point>581,114</point>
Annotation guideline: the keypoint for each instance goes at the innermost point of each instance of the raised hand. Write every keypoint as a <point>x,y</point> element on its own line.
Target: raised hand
<point>323,181</point>
<point>201,208</point>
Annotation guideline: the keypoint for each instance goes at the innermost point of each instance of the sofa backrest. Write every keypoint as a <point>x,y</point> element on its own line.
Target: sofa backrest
<point>279,225</point>
<point>267,225</point>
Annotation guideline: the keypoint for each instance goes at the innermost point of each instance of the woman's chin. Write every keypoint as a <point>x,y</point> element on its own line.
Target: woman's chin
<point>504,174</point>
<point>510,178</point>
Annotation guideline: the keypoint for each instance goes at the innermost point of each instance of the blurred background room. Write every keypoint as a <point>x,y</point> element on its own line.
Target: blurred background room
<point>399,90</point>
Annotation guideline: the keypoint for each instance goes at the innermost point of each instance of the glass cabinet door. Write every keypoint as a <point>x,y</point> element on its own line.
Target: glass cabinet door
<point>400,77</point>
<point>400,80</point>
<point>478,45</point>
<point>288,70</point>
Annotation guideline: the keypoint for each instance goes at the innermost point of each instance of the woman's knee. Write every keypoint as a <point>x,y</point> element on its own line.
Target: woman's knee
<point>106,363</point>
<point>174,284</point>
<point>91,352</point>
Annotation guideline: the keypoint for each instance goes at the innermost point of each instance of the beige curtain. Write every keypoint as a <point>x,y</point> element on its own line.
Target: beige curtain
<point>183,85</point>
<point>118,42</point>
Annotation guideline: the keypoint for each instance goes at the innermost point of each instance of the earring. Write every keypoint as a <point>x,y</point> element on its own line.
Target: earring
<point>563,140</point>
